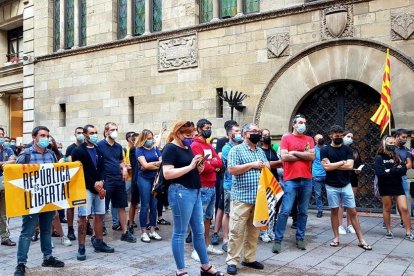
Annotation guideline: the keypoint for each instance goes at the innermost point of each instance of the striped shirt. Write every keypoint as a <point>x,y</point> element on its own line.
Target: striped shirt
<point>36,157</point>
<point>244,186</point>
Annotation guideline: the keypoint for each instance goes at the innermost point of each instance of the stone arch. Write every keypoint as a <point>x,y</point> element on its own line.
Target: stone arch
<point>342,59</point>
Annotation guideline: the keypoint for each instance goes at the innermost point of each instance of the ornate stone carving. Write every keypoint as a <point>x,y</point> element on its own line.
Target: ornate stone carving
<point>337,21</point>
<point>402,26</point>
<point>278,45</point>
<point>178,53</point>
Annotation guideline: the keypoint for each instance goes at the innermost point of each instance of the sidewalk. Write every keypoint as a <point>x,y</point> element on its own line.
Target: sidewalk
<point>389,257</point>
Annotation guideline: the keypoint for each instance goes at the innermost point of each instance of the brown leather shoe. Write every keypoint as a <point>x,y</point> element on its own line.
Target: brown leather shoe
<point>8,242</point>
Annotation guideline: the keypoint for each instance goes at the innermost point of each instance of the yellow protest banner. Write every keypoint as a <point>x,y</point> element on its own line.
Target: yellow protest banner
<point>36,188</point>
<point>269,193</point>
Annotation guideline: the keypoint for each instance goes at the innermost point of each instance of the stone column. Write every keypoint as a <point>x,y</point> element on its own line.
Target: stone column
<point>76,23</point>
<point>130,19</point>
<point>147,17</point>
<point>239,8</point>
<point>216,11</point>
<point>62,26</point>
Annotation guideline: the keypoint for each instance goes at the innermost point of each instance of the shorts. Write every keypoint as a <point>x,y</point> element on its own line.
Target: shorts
<point>94,205</point>
<point>134,193</point>
<point>208,199</point>
<point>117,195</point>
<point>340,196</point>
<point>227,194</point>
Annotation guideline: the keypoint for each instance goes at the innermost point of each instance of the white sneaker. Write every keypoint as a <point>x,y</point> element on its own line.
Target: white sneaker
<point>66,241</point>
<point>154,235</point>
<point>265,238</point>
<point>52,244</point>
<point>145,238</point>
<point>214,251</point>
<point>350,229</point>
<point>341,230</point>
<point>195,256</point>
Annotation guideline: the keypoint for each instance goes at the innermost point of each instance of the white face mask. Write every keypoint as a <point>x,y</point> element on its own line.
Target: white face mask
<point>348,141</point>
<point>114,135</point>
<point>301,128</point>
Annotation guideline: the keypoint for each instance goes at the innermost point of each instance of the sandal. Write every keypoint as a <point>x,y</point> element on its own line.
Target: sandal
<point>334,243</point>
<point>205,272</point>
<point>365,246</point>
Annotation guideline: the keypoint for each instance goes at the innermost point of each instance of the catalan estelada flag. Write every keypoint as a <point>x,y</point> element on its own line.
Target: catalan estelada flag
<point>269,193</point>
<point>382,116</point>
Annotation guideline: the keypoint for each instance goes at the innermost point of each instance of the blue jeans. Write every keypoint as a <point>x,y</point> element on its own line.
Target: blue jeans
<point>292,188</point>
<point>318,183</point>
<point>29,223</point>
<point>186,208</point>
<point>148,202</point>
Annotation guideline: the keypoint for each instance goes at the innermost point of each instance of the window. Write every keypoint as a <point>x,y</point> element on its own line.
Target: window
<point>131,113</point>
<point>62,115</point>
<point>122,18</point>
<point>228,8</point>
<point>69,23</point>
<point>219,103</point>
<point>251,6</point>
<point>139,17</point>
<point>15,47</point>
<point>56,25</point>
<point>82,23</point>
<point>206,10</point>
<point>156,15</point>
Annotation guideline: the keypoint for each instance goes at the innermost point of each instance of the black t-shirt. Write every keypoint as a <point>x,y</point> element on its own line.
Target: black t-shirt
<point>220,143</point>
<point>337,178</point>
<point>70,149</point>
<point>180,157</point>
<point>271,155</point>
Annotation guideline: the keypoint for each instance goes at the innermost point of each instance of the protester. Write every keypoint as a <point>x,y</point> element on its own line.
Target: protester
<point>245,162</point>
<point>181,168</point>
<point>337,160</point>
<point>7,156</point>
<point>114,179</point>
<point>318,174</point>
<point>389,168</point>
<point>297,151</point>
<point>37,154</point>
<point>212,163</point>
<point>149,161</point>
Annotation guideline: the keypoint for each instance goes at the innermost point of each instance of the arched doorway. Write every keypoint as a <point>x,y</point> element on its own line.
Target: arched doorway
<point>349,104</point>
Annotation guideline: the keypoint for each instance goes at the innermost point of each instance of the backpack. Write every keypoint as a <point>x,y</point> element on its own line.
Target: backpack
<point>160,187</point>
<point>26,153</point>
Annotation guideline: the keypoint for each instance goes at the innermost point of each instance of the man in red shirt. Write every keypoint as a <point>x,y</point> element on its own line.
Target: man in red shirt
<point>298,152</point>
<point>212,164</point>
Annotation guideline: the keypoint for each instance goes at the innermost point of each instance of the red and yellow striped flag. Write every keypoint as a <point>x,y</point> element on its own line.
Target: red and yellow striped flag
<point>382,116</point>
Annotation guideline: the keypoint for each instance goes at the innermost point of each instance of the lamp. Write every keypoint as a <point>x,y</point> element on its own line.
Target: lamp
<point>234,100</point>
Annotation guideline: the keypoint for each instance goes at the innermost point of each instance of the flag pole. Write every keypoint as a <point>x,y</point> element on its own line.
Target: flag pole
<point>389,122</point>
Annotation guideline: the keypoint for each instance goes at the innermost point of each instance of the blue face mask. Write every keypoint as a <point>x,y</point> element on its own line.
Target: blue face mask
<point>187,142</point>
<point>237,138</point>
<point>43,142</point>
<point>80,138</point>
<point>93,138</point>
<point>6,144</point>
<point>148,143</point>
<point>2,141</point>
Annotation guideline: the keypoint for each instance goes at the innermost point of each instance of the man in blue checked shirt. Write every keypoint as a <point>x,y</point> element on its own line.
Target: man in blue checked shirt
<point>245,162</point>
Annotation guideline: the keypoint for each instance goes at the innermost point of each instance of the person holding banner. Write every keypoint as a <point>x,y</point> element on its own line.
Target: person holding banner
<point>298,152</point>
<point>37,154</point>
<point>244,163</point>
<point>7,156</point>
<point>92,161</point>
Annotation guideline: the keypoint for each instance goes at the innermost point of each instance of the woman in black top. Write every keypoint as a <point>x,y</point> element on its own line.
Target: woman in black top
<point>182,169</point>
<point>389,169</point>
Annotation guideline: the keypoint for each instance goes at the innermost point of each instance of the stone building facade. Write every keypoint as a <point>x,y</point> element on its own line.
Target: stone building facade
<point>142,62</point>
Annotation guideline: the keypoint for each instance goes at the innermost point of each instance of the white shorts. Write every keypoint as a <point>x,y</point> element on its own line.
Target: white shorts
<point>94,205</point>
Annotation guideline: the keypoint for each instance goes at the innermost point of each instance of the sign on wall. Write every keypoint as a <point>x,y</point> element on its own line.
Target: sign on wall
<point>177,53</point>
<point>37,188</point>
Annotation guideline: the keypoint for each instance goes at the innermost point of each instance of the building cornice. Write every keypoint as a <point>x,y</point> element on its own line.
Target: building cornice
<point>13,69</point>
<point>248,18</point>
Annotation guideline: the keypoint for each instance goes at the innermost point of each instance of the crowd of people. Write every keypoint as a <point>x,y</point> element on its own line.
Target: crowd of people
<point>206,179</point>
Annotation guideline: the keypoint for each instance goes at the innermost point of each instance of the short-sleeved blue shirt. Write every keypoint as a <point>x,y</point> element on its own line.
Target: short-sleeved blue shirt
<point>5,154</point>
<point>112,156</point>
<point>317,168</point>
<point>150,155</point>
<point>228,178</point>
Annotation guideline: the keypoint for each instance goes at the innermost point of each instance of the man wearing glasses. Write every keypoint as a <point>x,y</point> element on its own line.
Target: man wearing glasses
<point>245,162</point>
<point>298,152</point>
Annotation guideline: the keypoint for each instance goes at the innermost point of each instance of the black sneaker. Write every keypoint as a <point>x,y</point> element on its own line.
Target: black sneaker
<point>89,230</point>
<point>63,220</point>
<point>101,246</point>
<point>131,229</point>
<point>163,222</point>
<point>52,262</point>
<point>35,236</point>
<point>215,239</point>
<point>104,231</point>
<point>156,228</point>
<point>319,214</point>
<point>294,225</point>
<point>81,256</point>
<point>71,234</point>
<point>127,237</point>
<point>189,238</point>
<point>55,234</point>
<point>116,227</point>
<point>20,270</point>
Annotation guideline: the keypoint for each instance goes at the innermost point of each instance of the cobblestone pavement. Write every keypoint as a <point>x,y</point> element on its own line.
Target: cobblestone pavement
<point>389,257</point>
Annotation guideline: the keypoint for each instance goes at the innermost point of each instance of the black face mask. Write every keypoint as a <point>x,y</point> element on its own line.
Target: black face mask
<point>321,142</point>
<point>402,142</point>
<point>267,140</point>
<point>338,141</point>
<point>390,147</point>
<point>206,133</point>
<point>255,137</point>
